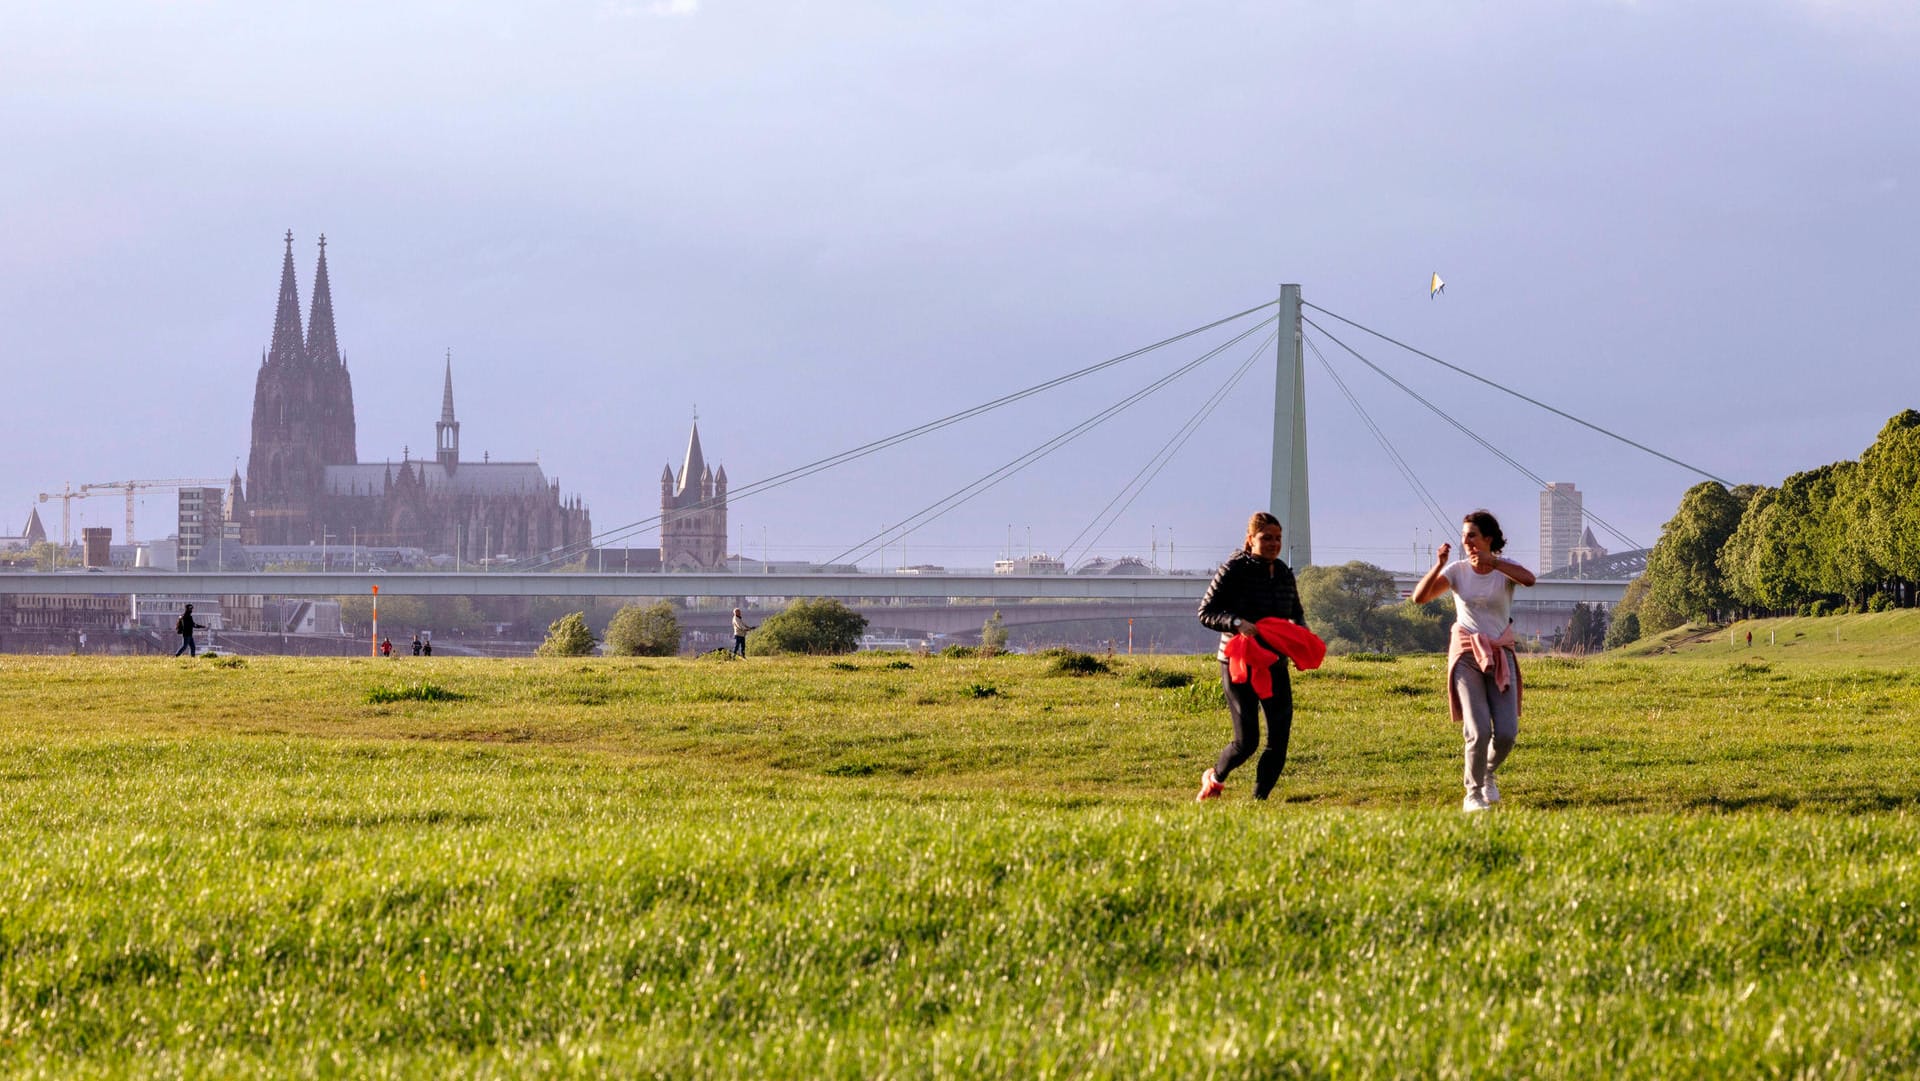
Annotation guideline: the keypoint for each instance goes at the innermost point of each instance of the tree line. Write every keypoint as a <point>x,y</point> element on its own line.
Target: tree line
<point>1843,537</point>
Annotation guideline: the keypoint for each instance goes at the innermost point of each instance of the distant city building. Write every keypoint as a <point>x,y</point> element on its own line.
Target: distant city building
<point>1036,564</point>
<point>202,525</point>
<point>1561,519</point>
<point>693,513</point>
<point>305,484</point>
<point>1123,565</point>
<point>30,534</point>
<point>1587,553</point>
<point>96,547</point>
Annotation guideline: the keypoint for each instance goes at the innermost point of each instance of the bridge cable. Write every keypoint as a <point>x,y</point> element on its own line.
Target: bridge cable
<point>1165,454</point>
<point>960,496</point>
<point>803,471</point>
<point>1463,429</point>
<point>1509,390</point>
<point>1399,462</point>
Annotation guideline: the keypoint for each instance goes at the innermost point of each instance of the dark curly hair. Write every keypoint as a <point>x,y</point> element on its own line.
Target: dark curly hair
<point>1489,527</point>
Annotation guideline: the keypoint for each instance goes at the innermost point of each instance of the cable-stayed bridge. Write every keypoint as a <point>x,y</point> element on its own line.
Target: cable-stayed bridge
<point>1284,331</point>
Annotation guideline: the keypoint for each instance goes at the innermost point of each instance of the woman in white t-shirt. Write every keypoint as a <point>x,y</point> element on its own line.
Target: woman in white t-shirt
<point>1483,675</point>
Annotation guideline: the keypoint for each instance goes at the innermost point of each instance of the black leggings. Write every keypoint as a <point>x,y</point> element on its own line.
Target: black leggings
<point>1245,707</point>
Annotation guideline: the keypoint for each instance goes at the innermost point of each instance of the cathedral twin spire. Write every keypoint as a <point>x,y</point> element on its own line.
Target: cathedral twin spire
<point>317,344</point>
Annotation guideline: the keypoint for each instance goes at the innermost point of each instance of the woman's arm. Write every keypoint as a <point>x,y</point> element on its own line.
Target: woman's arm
<point>1434,584</point>
<point>1520,575</point>
<point>1214,613</point>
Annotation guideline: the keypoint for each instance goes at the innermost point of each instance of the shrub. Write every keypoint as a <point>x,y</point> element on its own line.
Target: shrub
<point>1077,664</point>
<point>1880,603</point>
<point>817,625</point>
<point>993,634</point>
<point>1159,677</point>
<point>644,631</point>
<point>1372,658</point>
<point>960,651</point>
<point>568,636</point>
<point>981,690</point>
<point>412,692</point>
<point>1820,609</point>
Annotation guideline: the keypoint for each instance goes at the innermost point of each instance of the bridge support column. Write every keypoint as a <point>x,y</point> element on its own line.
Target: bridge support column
<point>1288,498</point>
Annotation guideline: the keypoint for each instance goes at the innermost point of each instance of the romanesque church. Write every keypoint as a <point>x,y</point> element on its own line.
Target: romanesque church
<point>305,481</point>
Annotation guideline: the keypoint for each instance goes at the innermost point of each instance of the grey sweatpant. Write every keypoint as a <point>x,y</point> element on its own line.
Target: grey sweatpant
<point>1490,719</point>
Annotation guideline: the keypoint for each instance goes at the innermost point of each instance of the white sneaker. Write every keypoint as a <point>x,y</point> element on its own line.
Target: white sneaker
<point>1473,802</point>
<point>1491,790</point>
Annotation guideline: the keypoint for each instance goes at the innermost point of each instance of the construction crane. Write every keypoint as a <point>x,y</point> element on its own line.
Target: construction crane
<point>66,495</point>
<point>132,486</point>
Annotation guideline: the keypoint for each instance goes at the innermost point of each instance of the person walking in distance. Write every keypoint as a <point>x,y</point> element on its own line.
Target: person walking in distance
<point>416,643</point>
<point>740,629</point>
<point>386,647</point>
<point>1251,586</point>
<point>1483,673</point>
<point>184,627</point>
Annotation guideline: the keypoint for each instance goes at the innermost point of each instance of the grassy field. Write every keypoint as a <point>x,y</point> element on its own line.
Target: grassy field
<point>898,866</point>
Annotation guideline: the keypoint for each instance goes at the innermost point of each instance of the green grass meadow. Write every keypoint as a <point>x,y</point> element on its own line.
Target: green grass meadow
<point>1707,865</point>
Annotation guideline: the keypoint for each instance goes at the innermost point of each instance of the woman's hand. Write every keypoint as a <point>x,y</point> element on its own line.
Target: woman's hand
<point>1440,556</point>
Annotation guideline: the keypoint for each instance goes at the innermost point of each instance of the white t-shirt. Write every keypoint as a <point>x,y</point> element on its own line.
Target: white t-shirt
<point>1482,603</point>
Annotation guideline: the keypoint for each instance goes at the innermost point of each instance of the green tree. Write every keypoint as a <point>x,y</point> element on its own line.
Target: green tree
<point>1625,629</point>
<point>395,611</point>
<point>820,625</point>
<point>454,614</point>
<point>1420,628</point>
<point>1651,616</point>
<point>48,556</point>
<point>1888,493</point>
<point>1346,605</point>
<point>993,633</point>
<point>1683,570</point>
<point>644,631</point>
<point>568,636</point>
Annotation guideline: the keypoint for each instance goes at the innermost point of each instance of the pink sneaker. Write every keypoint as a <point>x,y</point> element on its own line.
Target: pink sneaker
<point>1210,788</point>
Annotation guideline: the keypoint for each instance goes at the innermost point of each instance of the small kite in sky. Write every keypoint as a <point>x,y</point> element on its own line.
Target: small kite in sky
<point>1438,286</point>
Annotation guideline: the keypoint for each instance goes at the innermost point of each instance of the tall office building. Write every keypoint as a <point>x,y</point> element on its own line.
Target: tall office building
<point>1561,518</point>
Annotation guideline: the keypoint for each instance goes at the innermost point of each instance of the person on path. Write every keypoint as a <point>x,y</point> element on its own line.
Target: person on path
<point>426,647</point>
<point>386,647</point>
<point>1483,673</point>
<point>1252,585</point>
<point>416,643</point>
<point>184,627</point>
<point>1749,639</point>
<point>740,629</point>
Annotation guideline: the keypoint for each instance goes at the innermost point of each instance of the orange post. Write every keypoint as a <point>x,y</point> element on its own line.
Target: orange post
<point>376,621</point>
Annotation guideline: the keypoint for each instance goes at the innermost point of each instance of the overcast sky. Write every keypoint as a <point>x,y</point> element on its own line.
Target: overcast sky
<point>821,223</point>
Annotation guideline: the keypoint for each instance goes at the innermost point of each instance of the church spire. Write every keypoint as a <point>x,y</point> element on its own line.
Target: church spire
<point>288,344</point>
<point>446,433</point>
<point>321,345</point>
<point>446,393</point>
<point>696,462</point>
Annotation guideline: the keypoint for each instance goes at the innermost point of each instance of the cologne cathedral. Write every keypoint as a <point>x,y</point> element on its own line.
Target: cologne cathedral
<point>306,484</point>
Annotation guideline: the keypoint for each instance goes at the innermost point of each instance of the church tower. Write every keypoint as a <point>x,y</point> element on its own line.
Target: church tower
<point>302,412</point>
<point>693,513</point>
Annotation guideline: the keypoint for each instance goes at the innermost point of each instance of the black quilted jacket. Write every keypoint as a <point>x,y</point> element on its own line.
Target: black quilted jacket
<point>1252,589</point>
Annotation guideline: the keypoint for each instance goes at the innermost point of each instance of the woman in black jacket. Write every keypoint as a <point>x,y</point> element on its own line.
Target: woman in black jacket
<point>1247,588</point>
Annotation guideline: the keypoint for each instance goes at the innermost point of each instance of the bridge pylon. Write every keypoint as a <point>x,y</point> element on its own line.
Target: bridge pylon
<point>1288,497</point>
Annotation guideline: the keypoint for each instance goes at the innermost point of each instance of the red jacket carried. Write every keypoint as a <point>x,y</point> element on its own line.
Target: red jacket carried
<point>1249,659</point>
